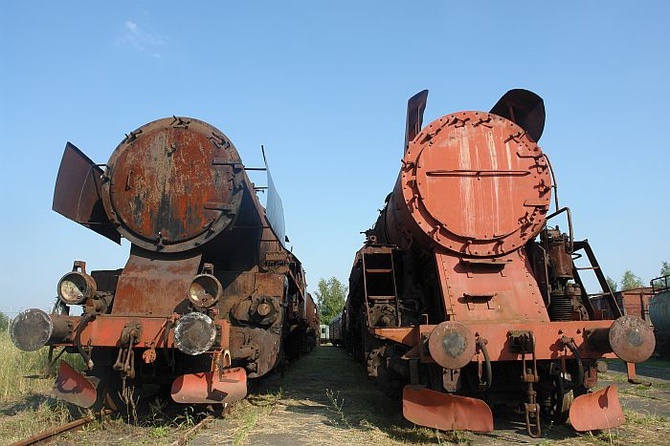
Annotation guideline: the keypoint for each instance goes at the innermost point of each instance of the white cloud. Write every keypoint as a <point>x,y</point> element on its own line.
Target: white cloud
<point>140,40</point>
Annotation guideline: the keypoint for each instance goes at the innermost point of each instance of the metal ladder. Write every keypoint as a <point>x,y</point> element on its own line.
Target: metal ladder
<point>379,280</point>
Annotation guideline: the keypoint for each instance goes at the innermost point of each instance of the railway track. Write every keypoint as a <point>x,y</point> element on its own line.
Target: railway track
<point>51,433</point>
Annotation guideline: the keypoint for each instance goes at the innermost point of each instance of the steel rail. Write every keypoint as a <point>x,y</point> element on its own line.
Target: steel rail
<point>54,431</point>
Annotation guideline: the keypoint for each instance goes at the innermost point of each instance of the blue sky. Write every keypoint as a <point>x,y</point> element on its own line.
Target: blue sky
<point>323,85</point>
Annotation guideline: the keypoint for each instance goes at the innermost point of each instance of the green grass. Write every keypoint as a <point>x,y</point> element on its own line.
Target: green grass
<point>16,366</point>
<point>634,417</point>
<point>23,373</point>
<point>38,414</point>
<point>25,404</point>
<point>160,432</point>
<point>27,407</point>
<point>337,403</point>
<point>247,413</point>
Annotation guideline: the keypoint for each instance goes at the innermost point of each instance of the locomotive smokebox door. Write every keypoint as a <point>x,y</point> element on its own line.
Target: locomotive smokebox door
<point>487,166</point>
<point>173,184</point>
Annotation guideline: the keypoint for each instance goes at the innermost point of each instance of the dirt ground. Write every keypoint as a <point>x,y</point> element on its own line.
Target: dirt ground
<point>326,399</point>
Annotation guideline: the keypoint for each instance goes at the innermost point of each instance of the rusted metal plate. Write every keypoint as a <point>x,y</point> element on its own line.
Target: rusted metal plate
<point>311,312</point>
<point>488,169</point>
<point>77,194</point>
<point>437,410</point>
<point>598,410</point>
<point>154,286</point>
<point>154,195</point>
<point>506,292</point>
<point>210,387</point>
<point>238,286</point>
<point>74,387</point>
<point>265,344</point>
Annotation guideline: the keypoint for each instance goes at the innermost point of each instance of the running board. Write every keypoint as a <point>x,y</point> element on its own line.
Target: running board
<point>437,410</point>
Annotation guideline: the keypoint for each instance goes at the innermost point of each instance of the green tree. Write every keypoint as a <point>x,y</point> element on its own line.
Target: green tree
<point>4,321</point>
<point>330,299</point>
<point>630,280</point>
<point>665,269</point>
<point>612,283</point>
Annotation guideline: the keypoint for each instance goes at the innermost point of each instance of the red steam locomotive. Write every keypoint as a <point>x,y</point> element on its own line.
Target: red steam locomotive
<point>455,301</point>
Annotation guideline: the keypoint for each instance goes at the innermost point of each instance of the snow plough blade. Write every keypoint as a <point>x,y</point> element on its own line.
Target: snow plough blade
<point>598,410</point>
<point>438,410</point>
<point>73,387</point>
<point>210,387</point>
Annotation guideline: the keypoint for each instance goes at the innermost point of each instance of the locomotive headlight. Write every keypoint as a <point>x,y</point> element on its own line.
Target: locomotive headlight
<point>204,291</point>
<point>194,333</point>
<point>75,287</point>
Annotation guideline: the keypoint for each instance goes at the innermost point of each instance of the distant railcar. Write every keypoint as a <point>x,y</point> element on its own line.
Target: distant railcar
<point>635,301</point>
<point>335,331</point>
<point>659,313</point>
<point>325,333</point>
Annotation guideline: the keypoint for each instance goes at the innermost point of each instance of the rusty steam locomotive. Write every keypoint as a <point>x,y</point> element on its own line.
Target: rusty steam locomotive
<point>464,297</point>
<point>209,296</point>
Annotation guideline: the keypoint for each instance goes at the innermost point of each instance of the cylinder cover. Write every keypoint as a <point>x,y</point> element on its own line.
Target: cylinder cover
<point>173,184</point>
<point>476,183</point>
